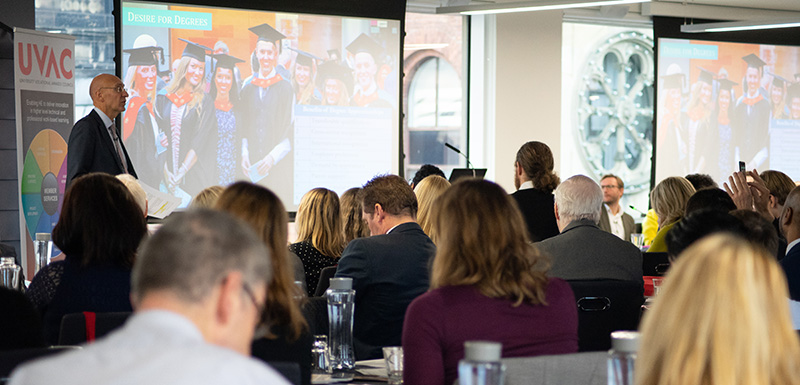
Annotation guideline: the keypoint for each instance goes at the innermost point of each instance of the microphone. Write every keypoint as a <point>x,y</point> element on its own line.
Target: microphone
<point>450,146</point>
<point>644,214</point>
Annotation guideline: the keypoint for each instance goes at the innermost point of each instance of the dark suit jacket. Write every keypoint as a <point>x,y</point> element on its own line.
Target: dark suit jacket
<point>583,251</point>
<point>537,209</point>
<point>388,272</point>
<point>791,266</point>
<point>91,150</point>
<point>628,224</point>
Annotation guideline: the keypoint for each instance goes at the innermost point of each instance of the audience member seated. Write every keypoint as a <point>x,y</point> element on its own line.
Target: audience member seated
<point>425,171</point>
<point>749,195</point>
<point>582,250</point>
<point>353,225</point>
<point>722,318</point>
<point>613,217</point>
<point>701,181</point>
<point>669,199</point>
<point>759,231</point>
<point>710,199</point>
<point>390,268</point>
<point>284,335</point>
<point>650,226</point>
<point>790,226</point>
<point>535,182</point>
<point>19,321</point>
<point>487,283</point>
<point>135,189</point>
<point>698,225</point>
<point>779,186</point>
<point>199,285</point>
<point>99,230</point>
<point>427,191</point>
<point>207,197</point>
<point>319,234</point>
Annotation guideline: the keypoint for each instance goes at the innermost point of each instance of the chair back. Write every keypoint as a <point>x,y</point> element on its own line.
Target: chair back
<point>655,264</point>
<point>316,312</point>
<point>288,369</point>
<point>605,306</point>
<point>77,328</point>
<point>587,368</point>
<point>325,276</point>
<point>10,359</point>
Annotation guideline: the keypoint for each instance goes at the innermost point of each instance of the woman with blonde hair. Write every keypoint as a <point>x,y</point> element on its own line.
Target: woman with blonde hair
<point>207,197</point>
<point>427,191</point>
<point>669,199</point>
<point>486,271</point>
<point>320,240</point>
<point>722,318</point>
<point>285,331</point>
<point>353,225</point>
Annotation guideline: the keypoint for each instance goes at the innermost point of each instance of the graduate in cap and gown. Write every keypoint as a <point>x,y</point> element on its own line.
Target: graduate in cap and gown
<point>366,92</point>
<point>145,141</point>
<point>178,111</point>
<point>793,101</point>
<point>722,132</point>
<point>334,80</point>
<point>751,116</point>
<point>217,143</point>
<point>305,70</point>
<point>698,120</point>
<point>777,98</point>
<point>267,103</point>
<point>671,137</point>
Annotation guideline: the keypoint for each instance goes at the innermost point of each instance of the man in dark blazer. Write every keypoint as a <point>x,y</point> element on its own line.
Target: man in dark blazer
<point>790,227</point>
<point>94,143</point>
<point>582,250</point>
<point>613,218</point>
<point>390,268</point>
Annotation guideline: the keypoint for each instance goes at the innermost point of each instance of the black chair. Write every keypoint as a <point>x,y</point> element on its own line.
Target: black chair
<point>316,312</point>
<point>10,359</point>
<point>655,264</point>
<point>325,276</point>
<point>289,369</point>
<point>605,306</point>
<point>74,329</point>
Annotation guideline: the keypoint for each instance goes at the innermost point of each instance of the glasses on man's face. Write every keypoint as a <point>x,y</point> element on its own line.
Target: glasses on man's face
<point>249,291</point>
<point>608,186</point>
<point>117,89</point>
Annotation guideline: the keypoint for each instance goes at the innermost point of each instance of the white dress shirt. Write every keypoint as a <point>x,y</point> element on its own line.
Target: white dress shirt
<point>153,347</point>
<point>615,222</point>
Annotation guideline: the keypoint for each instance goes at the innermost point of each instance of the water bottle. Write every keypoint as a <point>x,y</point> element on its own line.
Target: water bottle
<point>481,364</point>
<point>9,273</point>
<point>341,303</point>
<point>42,247</point>
<point>622,357</point>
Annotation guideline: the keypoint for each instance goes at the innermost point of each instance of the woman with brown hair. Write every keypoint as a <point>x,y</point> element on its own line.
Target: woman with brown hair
<point>99,230</point>
<point>722,318</point>
<point>427,191</point>
<point>486,272</point>
<point>284,330</point>
<point>319,234</point>
<point>353,225</point>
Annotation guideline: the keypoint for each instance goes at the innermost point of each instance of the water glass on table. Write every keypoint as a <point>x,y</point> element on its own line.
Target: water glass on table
<point>638,240</point>
<point>394,364</point>
<point>320,355</point>
<point>657,282</point>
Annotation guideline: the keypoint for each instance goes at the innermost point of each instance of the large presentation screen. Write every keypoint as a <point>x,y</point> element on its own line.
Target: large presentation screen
<point>720,103</point>
<point>288,101</point>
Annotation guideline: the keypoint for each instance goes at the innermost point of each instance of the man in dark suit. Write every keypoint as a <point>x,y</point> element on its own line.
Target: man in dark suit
<point>390,268</point>
<point>790,227</point>
<point>613,218</point>
<point>94,143</point>
<point>582,250</point>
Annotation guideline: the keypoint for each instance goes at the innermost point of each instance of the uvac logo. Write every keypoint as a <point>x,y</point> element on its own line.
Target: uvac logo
<point>48,61</point>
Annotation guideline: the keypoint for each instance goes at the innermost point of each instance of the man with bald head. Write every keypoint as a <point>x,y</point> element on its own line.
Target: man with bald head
<point>94,143</point>
<point>790,227</point>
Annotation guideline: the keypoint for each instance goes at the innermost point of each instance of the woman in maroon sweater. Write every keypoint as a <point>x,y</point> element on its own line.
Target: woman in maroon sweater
<point>487,283</point>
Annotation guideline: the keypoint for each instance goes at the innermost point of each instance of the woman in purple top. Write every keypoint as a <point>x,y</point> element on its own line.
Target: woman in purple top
<point>487,283</point>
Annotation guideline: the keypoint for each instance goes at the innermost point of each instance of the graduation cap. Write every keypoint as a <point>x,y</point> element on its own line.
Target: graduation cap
<point>673,80</point>
<point>706,76</point>
<point>364,43</point>
<point>194,50</point>
<point>754,61</point>
<point>226,61</point>
<point>304,58</point>
<point>144,56</point>
<point>333,70</point>
<point>779,81</point>
<point>334,54</point>
<point>265,32</point>
<point>725,84</point>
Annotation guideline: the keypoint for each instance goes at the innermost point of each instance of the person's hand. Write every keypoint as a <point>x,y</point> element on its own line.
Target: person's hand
<point>739,191</point>
<point>246,166</point>
<point>760,193</point>
<point>265,164</point>
<point>164,140</point>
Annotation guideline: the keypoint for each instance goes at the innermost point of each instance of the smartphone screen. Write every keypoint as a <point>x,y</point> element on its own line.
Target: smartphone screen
<point>742,167</point>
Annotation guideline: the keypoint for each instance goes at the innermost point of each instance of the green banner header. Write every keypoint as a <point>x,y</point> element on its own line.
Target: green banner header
<point>146,17</point>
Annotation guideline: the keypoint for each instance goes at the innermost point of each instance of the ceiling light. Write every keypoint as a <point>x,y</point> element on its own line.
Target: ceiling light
<point>747,25</point>
<point>529,6</point>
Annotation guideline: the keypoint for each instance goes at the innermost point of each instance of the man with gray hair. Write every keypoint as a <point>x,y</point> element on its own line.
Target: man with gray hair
<point>582,250</point>
<point>198,289</point>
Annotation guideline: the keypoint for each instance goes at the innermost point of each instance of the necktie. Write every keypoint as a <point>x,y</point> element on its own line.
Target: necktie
<point>115,137</point>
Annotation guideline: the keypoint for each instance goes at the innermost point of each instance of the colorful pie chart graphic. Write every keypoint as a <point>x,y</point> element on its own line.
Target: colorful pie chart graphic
<point>44,177</point>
